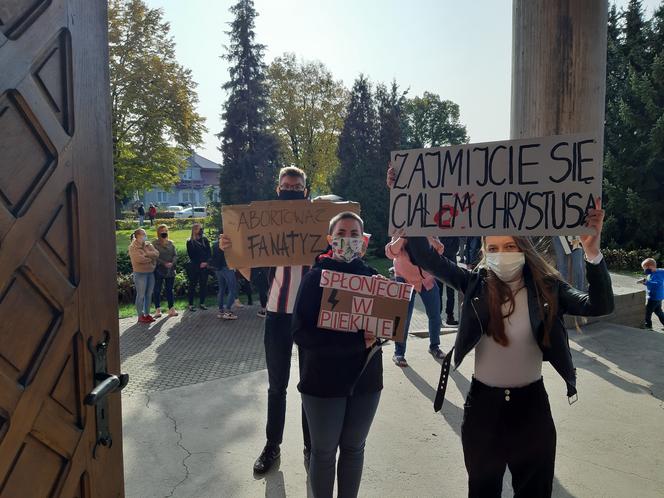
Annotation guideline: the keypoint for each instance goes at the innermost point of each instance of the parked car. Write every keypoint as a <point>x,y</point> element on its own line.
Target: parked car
<point>195,212</point>
<point>174,208</point>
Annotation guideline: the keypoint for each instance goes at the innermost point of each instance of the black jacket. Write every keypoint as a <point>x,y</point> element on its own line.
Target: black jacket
<point>218,260</point>
<point>331,361</point>
<point>475,317</point>
<point>199,252</point>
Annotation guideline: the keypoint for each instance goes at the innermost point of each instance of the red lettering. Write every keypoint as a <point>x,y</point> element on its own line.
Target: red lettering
<point>325,278</point>
<point>356,322</point>
<point>344,321</point>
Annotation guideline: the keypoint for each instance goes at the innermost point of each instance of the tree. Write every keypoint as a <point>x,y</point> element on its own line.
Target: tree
<point>429,121</point>
<point>154,121</point>
<point>361,173</point>
<point>307,110</point>
<point>634,136</point>
<point>250,151</point>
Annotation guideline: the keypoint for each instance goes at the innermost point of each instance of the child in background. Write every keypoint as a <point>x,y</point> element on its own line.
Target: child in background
<point>654,282</point>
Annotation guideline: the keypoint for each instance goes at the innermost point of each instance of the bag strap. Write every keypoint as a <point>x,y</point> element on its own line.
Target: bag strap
<point>442,383</point>
<point>374,350</point>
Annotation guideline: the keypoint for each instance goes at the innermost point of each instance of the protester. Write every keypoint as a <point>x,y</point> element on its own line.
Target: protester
<point>654,282</point>
<point>143,258</point>
<point>152,213</point>
<point>164,273</point>
<point>425,286</point>
<point>141,214</point>
<point>515,303</point>
<point>244,287</point>
<point>451,245</point>
<point>285,282</point>
<point>225,281</point>
<point>198,249</point>
<point>341,373</point>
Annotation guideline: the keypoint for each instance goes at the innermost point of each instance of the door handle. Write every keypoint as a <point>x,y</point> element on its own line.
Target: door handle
<point>107,384</point>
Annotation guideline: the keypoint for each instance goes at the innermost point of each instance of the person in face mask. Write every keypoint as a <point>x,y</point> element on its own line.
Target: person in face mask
<point>283,281</point>
<point>654,282</point>
<point>514,302</point>
<point>341,373</point>
<point>164,273</point>
<point>143,257</point>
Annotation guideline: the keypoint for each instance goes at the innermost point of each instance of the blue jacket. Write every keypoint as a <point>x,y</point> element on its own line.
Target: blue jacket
<point>655,285</point>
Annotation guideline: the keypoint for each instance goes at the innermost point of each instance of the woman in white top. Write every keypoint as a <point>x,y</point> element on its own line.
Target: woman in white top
<point>514,302</point>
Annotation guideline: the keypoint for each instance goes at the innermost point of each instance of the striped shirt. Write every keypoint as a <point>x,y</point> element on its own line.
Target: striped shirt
<point>284,287</point>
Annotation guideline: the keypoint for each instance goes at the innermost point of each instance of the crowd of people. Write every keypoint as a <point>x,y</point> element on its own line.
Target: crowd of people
<point>511,316</point>
<point>154,269</point>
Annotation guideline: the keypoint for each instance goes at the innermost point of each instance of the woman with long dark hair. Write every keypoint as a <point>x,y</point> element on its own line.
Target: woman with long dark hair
<point>514,303</point>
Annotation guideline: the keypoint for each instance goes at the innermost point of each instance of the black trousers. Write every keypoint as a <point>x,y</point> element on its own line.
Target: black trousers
<point>197,277</point>
<point>654,306</point>
<point>278,351</point>
<point>508,428</point>
<point>259,280</point>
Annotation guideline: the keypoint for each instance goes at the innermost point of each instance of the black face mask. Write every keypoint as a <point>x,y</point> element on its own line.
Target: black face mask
<point>163,235</point>
<point>291,195</point>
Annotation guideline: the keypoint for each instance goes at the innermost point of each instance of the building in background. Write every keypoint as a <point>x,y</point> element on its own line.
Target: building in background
<point>200,175</point>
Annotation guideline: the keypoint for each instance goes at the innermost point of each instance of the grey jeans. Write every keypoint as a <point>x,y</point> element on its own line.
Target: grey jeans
<point>341,423</point>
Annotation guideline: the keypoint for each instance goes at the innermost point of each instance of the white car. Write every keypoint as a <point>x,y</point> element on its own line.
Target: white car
<point>195,212</point>
<point>174,208</point>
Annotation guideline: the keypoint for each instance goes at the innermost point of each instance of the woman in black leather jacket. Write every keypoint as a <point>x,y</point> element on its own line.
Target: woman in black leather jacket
<point>513,307</point>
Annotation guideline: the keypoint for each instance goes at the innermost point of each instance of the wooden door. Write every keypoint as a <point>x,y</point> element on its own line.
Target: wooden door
<point>57,251</point>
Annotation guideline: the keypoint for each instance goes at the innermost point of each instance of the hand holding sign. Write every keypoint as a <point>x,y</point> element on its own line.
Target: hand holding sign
<point>594,220</point>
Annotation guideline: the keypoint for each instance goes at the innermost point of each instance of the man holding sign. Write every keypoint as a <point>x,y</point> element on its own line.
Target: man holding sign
<point>278,338</point>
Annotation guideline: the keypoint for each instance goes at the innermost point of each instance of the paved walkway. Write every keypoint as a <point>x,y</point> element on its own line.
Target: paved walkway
<point>194,416</point>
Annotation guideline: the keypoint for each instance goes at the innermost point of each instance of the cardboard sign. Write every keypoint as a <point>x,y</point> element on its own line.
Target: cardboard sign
<point>357,302</point>
<point>538,186</point>
<point>279,233</point>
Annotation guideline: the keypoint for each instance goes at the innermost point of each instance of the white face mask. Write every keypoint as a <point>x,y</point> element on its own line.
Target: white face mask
<point>347,248</point>
<point>507,266</point>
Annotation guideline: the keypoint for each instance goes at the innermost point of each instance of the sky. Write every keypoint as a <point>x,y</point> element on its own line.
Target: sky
<point>459,50</point>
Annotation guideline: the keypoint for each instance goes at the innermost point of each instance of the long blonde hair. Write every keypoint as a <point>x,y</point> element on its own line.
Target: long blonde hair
<point>193,231</point>
<point>544,276</point>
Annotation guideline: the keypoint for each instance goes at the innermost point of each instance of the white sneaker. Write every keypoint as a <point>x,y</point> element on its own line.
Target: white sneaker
<point>157,313</point>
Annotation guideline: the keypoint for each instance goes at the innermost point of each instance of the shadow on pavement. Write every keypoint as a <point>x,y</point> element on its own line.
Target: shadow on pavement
<point>607,350</point>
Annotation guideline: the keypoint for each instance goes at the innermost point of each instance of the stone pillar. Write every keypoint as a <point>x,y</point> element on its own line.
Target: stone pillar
<point>558,70</point>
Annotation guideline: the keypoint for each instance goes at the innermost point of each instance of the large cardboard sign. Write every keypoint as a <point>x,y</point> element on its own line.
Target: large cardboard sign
<point>538,186</point>
<point>357,302</point>
<point>279,233</point>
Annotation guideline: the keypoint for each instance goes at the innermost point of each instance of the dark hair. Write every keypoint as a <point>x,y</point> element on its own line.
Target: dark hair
<point>346,215</point>
<point>544,275</point>
<point>293,172</point>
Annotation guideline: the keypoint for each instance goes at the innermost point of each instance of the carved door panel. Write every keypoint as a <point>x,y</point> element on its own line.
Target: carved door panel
<point>57,252</point>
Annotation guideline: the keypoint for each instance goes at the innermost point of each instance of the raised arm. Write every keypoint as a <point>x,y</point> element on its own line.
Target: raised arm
<point>427,257</point>
<point>599,298</point>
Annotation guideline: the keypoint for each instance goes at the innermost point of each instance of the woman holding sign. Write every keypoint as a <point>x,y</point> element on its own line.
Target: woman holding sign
<point>513,308</point>
<point>341,373</point>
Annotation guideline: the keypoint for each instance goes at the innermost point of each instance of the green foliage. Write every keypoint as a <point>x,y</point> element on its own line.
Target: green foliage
<point>622,260</point>
<point>634,130</point>
<point>361,173</point>
<point>307,109</point>
<point>250,151</point>
<point>429,121</point>
<point>154,121</point>
<point>172,223</point>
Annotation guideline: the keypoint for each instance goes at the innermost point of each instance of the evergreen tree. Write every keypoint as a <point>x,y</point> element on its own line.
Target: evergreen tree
<point>361,175</point>
<point>633,141</point>
<point>250,151</point>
